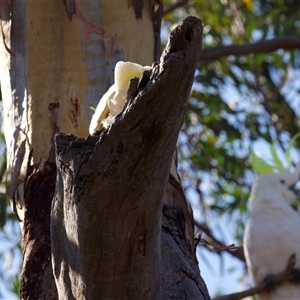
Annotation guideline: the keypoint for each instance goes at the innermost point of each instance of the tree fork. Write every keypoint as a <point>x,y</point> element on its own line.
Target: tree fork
<point>107,211</point>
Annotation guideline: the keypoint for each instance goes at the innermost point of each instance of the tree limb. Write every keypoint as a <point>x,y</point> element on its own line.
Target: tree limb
<point>285,276</point>
<point>237,253</point>
<point>174,6</point>
<point>287,43</point>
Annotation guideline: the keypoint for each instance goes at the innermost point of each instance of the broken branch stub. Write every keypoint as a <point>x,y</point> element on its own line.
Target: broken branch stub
<point>106,214</point>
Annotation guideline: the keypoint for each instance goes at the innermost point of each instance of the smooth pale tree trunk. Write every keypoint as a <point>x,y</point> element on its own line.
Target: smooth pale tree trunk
<point>55,62</point>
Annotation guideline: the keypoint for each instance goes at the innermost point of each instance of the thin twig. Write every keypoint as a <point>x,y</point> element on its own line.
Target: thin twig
<point>238,252</point>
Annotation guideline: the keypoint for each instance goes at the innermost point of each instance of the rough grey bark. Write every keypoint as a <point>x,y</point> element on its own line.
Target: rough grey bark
<point>179,268</point>
<point>37,280</point>
<point>111,191</point>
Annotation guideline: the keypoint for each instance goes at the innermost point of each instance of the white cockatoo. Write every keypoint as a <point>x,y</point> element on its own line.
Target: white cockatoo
<point>272,233</point>
<point>113,101</point>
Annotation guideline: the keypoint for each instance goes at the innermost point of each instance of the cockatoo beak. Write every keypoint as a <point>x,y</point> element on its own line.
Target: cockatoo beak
<point>297,194</point>
<point>294,190</point>
<point>293,176</point>
<point>297,170</point>
<point>296,176</point>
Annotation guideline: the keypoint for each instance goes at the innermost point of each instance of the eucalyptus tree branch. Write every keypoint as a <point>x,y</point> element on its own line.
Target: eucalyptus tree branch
<point>174,6</point>
<point>287,43</point>
<point>286,275</point>
<point>275,104</point>
<point>237,253</point>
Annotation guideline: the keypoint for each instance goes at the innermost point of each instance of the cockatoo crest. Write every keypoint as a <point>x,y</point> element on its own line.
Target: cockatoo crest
<point>113,101</point>
<point>274,175</point>
<point>125,71</point>
<point>260,166</point>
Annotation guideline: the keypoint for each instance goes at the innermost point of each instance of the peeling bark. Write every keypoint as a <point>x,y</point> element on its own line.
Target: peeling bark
<point>107,211</point>
<point>138,6</point>
<point>70,7</point>
<point>157,14</point>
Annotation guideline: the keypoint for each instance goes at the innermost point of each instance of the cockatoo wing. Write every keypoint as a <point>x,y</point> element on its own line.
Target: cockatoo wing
<point>116,103</point>
<point>102,111</point>
<point>113,101</point>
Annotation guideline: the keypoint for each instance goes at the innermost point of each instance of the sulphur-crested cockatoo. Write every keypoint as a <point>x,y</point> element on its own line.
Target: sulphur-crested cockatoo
<point>113,101</point>
<point>272,233</point>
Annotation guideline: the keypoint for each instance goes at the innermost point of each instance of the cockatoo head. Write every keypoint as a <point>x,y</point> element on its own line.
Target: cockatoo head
<point>274,186</point>
<point>276,182</point>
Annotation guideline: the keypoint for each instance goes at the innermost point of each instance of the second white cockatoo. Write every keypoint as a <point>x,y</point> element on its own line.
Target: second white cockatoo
<point>113,101</point>
<point>272,233</point>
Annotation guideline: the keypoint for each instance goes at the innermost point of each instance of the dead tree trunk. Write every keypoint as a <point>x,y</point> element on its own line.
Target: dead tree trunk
<point>121,228</point>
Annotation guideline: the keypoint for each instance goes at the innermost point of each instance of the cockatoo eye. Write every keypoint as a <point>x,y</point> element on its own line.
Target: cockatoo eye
<point>282,181</point>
